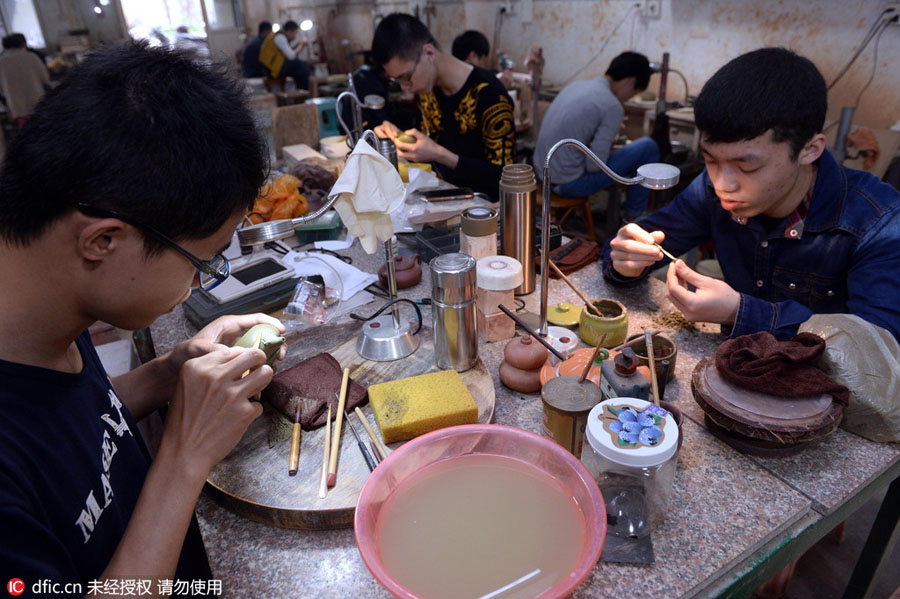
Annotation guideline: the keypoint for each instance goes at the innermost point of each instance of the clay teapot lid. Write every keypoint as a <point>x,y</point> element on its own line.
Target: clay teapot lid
<point>525,353</point>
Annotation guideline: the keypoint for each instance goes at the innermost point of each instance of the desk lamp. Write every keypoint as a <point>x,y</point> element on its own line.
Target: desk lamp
<point>652,176</point>
<point>372,102</point>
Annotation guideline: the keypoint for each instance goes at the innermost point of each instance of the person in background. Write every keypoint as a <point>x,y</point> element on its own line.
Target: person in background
<point>795,233</point>
<point>278,55</point>
<point>592,112</point>
<point>103,217</point>
<point>23,78</point>
<point>250,64</point>
<point>469,132</point>
<point>472,47</point>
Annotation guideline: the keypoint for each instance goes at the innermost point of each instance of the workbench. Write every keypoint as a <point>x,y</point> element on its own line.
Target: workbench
<point>733,520</point>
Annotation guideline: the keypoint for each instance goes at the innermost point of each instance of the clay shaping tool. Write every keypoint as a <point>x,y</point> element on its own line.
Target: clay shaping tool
<point>295,442</point>
<point>587,302</point>
<point>362,446</point>
<point>665,253</point>
<point>525,327</point>
<point>651,361</point>
<point>590,363</point>
<point>336,437</point>
<point>323,487</point>
<point>380,450</point>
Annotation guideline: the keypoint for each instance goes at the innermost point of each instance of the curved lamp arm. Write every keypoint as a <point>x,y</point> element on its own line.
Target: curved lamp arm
<point>652,176</point>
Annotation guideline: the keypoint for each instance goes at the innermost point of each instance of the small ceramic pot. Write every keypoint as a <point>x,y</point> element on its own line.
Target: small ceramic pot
<point>524,381</point>
<point>407,271</point>
<point>663,349</point>
<point>679,418</point>
<point>525,353</point>
<point>613,324</point>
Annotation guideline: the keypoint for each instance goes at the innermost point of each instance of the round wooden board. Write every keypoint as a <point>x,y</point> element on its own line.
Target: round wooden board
<point>253,479</point>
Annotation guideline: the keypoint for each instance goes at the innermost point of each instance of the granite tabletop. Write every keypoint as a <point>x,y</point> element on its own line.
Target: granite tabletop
<point>726,506</point>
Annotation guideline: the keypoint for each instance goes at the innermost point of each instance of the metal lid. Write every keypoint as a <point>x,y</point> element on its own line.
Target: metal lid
<point>632,432</point>
<point>566,394</point>
<point>479,222</point>
<point>453,278</point>
<point>499,273</point>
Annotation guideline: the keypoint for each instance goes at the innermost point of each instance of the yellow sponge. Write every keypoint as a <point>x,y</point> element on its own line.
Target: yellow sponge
<point>413,406</point>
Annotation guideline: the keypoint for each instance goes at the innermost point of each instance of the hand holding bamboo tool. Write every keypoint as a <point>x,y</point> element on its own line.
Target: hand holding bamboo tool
<point>336,437</point>
<point>665,253</point>
<point>380,449</point>
<point>295,442</point>
<point>591,307</point>
<point>651,361</point>
<point>323,487</point>
<point>362,446</point>
<point>590,363</point>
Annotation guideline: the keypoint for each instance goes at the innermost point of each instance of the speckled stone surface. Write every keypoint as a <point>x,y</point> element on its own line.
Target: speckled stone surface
<point>725,505</point>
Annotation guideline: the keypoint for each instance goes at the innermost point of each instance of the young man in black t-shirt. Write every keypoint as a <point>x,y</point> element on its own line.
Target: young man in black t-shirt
<point>469,128</point>
<point>116,198</point>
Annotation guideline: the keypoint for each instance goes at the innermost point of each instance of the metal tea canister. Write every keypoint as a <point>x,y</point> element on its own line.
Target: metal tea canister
<point>518,207</point>
<point>567,404</point>
<point>453,285</point>
<point>631,452</point>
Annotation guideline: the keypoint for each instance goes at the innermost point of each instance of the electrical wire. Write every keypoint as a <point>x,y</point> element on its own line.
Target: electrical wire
<point>885,25</point>
<point>876,28</point>
<point>356,316</point>
<point>603,47</point>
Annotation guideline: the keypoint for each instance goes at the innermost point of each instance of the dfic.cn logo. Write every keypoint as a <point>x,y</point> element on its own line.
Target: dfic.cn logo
<point>15,586</point>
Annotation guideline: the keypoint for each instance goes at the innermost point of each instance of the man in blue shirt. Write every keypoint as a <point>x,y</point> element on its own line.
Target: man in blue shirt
<point>795,232</point>
<point>250,64</point>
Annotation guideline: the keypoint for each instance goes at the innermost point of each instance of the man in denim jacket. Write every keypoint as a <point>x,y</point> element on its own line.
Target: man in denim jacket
<point>795,232</point>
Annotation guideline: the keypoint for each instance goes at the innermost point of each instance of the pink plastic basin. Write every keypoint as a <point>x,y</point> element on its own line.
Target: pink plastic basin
<point>549,458</point>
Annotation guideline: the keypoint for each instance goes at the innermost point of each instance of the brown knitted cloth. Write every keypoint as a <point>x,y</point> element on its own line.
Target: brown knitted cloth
<point>759,362</point>
<point>314,383</point>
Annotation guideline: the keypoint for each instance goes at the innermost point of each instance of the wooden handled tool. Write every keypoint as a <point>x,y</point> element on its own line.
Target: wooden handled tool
<point>380,450</point>
<point>336,437</point>
<point>586,301</point>
<point>323,486</point>
<point>295,442</point>
<point>651,361</point>
<point>362,446</point>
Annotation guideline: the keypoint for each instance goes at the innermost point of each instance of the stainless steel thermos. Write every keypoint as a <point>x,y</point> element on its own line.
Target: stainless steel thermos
<point>518,204</point>
<point>453,285</point>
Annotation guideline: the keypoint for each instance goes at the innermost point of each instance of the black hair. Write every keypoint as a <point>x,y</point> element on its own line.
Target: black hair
<point>399,35</point>
<point>144,131</point>
<point>14,40</point>
<point>769,88</point>
<point>631,64</point>
<point>468,42</point>
<point>290,26</point>
<point>264,28</point>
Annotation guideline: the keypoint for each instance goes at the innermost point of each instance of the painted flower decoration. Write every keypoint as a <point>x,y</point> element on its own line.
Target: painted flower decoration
<point>635,427</point>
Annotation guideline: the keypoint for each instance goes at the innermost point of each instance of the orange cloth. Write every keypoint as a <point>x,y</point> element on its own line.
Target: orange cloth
<point>865,143</point>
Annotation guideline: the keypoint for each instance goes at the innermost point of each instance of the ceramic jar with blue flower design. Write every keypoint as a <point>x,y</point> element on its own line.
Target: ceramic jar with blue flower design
<point>631,452</point>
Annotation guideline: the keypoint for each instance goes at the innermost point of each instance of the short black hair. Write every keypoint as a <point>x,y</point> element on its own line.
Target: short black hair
<point>631,64</point>
<point>769,88</point>
<point>468,42</point>
<point>264,28</point>
<point>144,131</point>
<point>399,35</point>
<point>14,40</point>
<point>290,26</point>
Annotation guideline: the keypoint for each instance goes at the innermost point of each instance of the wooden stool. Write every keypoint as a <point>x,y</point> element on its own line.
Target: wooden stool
<point>270,83</point>
<point>568,205</point>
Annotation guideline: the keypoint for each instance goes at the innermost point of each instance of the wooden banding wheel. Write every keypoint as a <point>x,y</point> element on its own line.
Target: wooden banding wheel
<point>759,423</point>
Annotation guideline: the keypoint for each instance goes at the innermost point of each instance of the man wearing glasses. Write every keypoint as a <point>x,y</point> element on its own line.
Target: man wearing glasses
<point>467,116</point>
<point>118,196</point>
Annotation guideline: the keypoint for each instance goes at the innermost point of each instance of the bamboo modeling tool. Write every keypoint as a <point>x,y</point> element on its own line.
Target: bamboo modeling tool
<point>362,446</point>
<point>375,453</point>
<point>295,442</point>
<point>584,298</point>
<point>634,341</point>
<point>651,361</point>
<point>590,363</point>
<point>336,437</point>
<point>323,486</point>
<point>666,253</point>
<point>380,450</point>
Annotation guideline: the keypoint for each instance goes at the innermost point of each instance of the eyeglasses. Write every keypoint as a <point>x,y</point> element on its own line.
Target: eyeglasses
<point>406,78</point>
<point>212,271</point>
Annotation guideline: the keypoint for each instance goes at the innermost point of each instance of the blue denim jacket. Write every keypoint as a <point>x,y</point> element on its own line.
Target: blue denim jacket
<point>846,261</point>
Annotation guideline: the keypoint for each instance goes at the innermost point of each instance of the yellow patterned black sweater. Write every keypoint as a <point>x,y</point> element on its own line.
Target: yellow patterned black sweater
<point>477,124</point>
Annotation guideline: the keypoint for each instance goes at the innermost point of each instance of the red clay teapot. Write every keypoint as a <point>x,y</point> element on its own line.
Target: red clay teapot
<point>407,271</point>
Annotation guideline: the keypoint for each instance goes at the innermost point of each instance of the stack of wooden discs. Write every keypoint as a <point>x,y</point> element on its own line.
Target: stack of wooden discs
<point>757,423</point>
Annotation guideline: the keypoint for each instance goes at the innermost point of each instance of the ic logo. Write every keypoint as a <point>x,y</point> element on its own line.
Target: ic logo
<point>15,587</point>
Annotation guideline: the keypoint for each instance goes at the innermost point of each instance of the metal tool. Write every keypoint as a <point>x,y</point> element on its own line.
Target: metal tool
<point>362,446</point>
<point>652,176</point>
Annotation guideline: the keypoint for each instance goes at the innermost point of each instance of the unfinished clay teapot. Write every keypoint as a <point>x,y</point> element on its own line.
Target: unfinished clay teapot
<point>521,366</point>
<point>407,271</point>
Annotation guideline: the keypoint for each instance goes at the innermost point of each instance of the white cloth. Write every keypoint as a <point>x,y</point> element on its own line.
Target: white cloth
<point>369,190</point>
<point>340,276</point>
